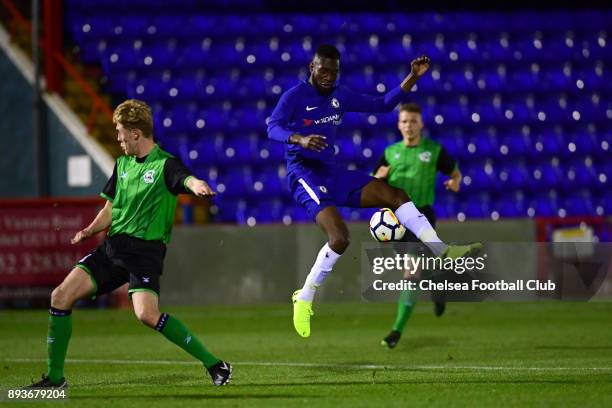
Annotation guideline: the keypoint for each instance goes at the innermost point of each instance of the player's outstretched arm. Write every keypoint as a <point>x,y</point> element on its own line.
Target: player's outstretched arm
<point>357,102</point>
<point>311,142</point>
<point>418,67</point>
<point>199,187</point>
<point>101,222</point>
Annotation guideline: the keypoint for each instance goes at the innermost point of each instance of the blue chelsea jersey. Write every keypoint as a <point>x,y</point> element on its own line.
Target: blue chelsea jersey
<point>302,110</point>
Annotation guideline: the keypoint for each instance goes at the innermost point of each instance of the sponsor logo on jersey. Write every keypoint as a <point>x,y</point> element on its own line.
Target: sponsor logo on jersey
<point>335,103</point>
<point>309,108</point>
<point>425,157</point>
<point>335,119</point>
<point>397,155</point>
<point>123,174</point>
<point>149,177</point>
<point>323,189</point>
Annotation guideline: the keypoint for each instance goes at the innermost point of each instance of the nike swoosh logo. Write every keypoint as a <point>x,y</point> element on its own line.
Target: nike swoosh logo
<point>308,108</point>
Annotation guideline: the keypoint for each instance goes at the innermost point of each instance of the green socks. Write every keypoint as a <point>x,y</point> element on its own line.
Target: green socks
<point>175,331</point>
<point>60,329</point>
<point>405,304</point>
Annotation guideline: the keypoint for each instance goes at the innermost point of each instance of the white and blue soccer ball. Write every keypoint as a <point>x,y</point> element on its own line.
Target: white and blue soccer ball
<point>384,226</point>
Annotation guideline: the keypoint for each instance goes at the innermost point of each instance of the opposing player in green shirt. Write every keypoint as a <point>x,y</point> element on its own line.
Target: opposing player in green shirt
<point>141,199</point>
<point>412,165</point>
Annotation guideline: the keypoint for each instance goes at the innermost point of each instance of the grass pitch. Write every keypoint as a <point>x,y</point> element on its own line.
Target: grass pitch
<point>477,354</point>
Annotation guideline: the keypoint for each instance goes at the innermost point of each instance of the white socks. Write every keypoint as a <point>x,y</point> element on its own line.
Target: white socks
<point>407,214</point>
<point>319,271</point>
<point>417,223</point>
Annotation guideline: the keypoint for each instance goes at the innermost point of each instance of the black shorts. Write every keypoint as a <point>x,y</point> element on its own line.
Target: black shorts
<point>121,259</point>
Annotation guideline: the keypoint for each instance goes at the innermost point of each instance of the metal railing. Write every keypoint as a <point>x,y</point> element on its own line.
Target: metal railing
<point>98,104</point>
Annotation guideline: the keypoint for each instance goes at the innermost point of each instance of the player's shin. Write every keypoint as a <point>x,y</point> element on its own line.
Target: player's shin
<point>405,305</point>
<point>60,330</point>
<point>324,264</point>
<point>419,225</point>
<point>175,331</point>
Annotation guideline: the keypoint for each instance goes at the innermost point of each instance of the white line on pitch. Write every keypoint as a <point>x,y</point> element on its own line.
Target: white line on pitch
<point>318,365</point>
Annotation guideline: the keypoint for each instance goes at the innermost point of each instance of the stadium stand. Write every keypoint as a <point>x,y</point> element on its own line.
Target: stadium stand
<point>519,98</point>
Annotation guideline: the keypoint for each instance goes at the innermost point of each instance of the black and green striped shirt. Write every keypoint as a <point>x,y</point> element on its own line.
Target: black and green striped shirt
<point>414,168</point>
<point>144,194</point>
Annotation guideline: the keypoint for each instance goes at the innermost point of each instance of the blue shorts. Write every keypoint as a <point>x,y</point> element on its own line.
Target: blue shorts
<point>315,189</point>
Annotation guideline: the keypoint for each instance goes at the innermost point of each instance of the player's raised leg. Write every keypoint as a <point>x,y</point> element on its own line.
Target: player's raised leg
<point>377,193</point>
<point>331,222</point>
<point>146,308</point>
<point>76,285</point>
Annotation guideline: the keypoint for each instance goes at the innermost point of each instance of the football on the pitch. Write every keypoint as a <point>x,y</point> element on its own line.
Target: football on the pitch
<point>384,226</point>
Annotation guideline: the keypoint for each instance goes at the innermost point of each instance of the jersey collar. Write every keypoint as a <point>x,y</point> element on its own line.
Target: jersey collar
<point>144,159</point>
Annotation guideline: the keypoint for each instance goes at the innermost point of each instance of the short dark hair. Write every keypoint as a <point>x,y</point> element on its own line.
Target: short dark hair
<point>328,51</point>
<point>410,107</point>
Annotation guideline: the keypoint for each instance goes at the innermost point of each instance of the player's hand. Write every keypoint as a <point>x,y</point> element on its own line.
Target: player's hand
<point>452,184</point>
<point>419,66</point>
<point>200,188</point>
<point>313,142</point>
<point>82,235</point>
<point>383,172</point>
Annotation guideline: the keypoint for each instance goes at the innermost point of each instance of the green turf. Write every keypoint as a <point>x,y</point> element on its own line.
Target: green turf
<point>477,354</point>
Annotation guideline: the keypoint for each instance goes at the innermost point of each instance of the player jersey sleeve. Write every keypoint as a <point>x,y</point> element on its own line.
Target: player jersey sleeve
<point>382,161</point>
<point>446,163</point>
<point>358,102</point>
<point>279,120</point>
<point>108,192</point>
<point>175,176</point>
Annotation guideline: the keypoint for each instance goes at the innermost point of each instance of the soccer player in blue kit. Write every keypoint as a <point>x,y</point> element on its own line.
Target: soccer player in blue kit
<point>306,119</point>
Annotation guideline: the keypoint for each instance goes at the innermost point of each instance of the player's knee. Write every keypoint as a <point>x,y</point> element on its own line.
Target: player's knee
<point>147,317</point>
<point>61,298</point>
<point>399,197</point>
<point>339,242</point>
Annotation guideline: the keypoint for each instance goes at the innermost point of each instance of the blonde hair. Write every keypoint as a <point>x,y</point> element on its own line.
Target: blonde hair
<point>134,114</point>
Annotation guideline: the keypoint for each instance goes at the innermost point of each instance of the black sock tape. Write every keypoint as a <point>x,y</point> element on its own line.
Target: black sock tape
<point>58,312</point>
<point>161,323</point>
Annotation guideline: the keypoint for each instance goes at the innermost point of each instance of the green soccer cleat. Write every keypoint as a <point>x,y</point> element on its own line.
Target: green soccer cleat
<point>461,251</point>
<point>302,310</point>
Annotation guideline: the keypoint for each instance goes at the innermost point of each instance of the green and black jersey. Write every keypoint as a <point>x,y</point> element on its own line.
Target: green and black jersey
<point>144,194</point>
<point>413,168</point>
